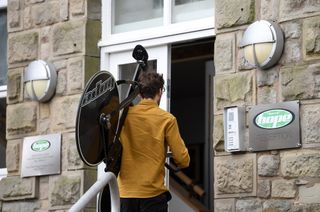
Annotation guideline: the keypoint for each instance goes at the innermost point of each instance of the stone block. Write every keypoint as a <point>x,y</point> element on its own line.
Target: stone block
<point>309,194</point>
<point>292,29</point>
<point>44,111</point>
<point>267,78</point>
<point>13,156</point>
<point>27,18</point>
<point>224,53</point>
<point>264,188</point>
<point>229,14</point>
<point>44,119</point>
<point>14,20</point>
<point>33,1</point>
<point>234,89</point>
<point>68,37</point>
<point>61,88</point>
<point>65,118</point>
<point>311,42</point>
<point>43,126</point>
<point>70,151</point>
<point>43,187</point>
<point>13,5</point>
<point>224,205</point>
<point>268,165</point>
<point>66,189</point>
<point>300,82</point>
<point>77,7</point>
<point>92,65</point>
<point>45,33</point>
<point>64,10</point>
<point>310,125</point>
<point>292,52</point>
<point>75,75</point>
<point>252,205</point>
<point>93,35</point>
<point>294,9</point>
<point>300,163</point>
<point>94,9</point>
<point>277,205</point>
<point>16,188</point>
<point>45,51</point>
<point>15,206</point>
<point>235,175</point>
<point>14,15</point>
<point>306,208</point>
<point>269,10</point>
<point>267,95</point>
<point>46,13</point>
<point>23,47</point>
<point>23,119</point>
<point>61,67</point>
<point>218,145</point>
<point>282,188</point>
<point>15,86</point>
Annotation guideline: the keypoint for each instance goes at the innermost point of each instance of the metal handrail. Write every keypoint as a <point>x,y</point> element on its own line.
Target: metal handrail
<point>106,178</point>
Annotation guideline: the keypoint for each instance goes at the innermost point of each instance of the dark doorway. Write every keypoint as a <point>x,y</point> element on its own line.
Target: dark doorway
<point>190,101</point>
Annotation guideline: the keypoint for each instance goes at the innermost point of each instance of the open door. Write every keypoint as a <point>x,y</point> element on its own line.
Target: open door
<point>122,66</point>
<point>191,102</point>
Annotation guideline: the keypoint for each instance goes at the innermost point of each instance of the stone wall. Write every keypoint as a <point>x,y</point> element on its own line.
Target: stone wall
<point>64,33</point>
<point>279,180</point>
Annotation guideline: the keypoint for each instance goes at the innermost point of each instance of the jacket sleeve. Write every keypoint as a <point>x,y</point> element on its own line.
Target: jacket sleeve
<point>176,144</point>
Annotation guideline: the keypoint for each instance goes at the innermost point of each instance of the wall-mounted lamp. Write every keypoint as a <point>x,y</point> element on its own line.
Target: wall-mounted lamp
<point>263,43</point>
<point>40,80</point>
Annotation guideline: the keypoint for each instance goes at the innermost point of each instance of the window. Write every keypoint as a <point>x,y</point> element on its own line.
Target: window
<point>132,15</point>
<point>3,46</point>
<point>128,21</point>
<point>185,10</point>
<point>3,87</point>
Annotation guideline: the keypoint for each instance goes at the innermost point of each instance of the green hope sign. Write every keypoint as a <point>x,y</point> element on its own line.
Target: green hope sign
<point>273,119</point>
<point>40,145</point>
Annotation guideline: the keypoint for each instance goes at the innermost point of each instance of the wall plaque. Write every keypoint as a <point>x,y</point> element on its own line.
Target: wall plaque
<point>274,126</point>
<point>41,155</point>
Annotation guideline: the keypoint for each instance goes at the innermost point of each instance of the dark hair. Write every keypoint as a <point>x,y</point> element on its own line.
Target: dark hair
<point>150,83</point>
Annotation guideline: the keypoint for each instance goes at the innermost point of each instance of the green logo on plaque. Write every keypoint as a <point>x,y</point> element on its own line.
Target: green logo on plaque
<point>273,119</point>
<point>40,145</point>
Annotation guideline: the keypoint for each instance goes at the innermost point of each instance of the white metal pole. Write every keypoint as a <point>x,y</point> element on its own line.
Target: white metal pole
<point>107,178</point>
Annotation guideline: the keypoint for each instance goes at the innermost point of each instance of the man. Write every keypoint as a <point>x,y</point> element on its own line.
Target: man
<point>147,132</point>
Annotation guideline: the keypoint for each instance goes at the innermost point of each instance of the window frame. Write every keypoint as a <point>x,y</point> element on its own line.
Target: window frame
<point>3,88</point>
<point>167,33</point>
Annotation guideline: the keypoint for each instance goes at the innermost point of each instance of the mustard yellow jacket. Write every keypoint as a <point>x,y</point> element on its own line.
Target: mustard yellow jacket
<point>145,135</point>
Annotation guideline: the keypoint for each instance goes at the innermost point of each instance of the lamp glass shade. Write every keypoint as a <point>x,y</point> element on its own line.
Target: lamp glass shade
<point>263,43</point>
<point>40,80</point>
<point>37,89</point>
<point>262,51</point>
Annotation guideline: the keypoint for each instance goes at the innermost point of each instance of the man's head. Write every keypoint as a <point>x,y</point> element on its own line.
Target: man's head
<point>151,84</point>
